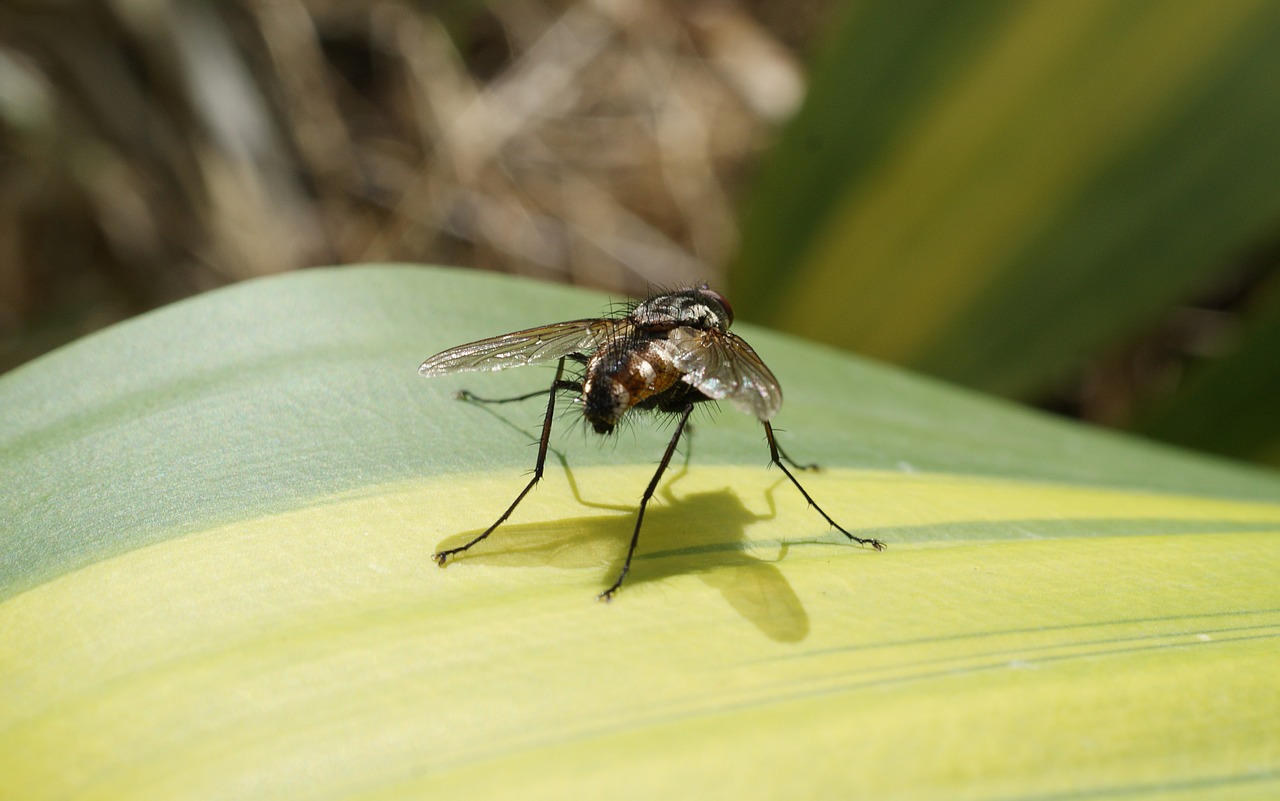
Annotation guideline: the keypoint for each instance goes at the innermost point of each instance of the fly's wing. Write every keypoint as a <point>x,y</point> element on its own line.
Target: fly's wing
<point>531,346</point>
<point>723,366</point>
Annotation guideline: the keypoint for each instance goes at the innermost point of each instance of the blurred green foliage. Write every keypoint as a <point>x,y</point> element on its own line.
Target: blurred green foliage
<point>999,193</point>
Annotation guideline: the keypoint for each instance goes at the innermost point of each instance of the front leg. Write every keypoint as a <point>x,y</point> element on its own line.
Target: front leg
<point>543,444</point>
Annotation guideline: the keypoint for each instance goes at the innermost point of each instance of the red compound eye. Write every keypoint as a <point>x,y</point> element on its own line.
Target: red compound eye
<point>718,298</point>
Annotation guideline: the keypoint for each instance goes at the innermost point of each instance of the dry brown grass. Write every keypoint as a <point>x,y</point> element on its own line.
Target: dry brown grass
<point>149,151</point>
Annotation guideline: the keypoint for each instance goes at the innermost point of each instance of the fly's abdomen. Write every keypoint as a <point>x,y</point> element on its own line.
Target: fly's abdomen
<point>618,381</point>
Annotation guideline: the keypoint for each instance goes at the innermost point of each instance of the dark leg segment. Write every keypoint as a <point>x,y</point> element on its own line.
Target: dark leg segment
<point>793,462</point>
<point>644,501</point>
<point>466,395</point>
<point>543,444</point>
<point>776,454</point>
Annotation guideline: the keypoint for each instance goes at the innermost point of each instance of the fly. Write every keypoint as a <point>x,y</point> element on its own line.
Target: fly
<point>666,354</point>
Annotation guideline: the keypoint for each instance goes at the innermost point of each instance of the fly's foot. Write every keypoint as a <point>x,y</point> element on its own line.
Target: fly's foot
<point>876,544</point>
<point>443,556</point>
<point>608,594</point>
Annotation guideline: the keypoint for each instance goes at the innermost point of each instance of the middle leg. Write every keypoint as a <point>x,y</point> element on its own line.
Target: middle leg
<point>644,501</point>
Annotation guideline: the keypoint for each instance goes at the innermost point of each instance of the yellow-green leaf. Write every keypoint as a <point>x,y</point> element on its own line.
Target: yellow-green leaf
<point>217,579</point>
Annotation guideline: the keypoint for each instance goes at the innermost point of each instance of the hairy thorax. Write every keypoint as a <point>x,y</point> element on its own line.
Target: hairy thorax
<point>618,380</point>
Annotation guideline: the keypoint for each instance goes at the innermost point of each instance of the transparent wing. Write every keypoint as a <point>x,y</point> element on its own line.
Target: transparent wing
<point>517,349</point>
<point>723,366</point>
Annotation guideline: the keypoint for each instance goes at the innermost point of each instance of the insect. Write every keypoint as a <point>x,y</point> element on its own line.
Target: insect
<point>666,354</point>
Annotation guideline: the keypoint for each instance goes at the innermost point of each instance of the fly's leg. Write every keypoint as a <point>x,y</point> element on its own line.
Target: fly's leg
<point>559,385</point>
<point>443,556</point>
<point>644,501</point>
<point>812,466</point>
<point>776,455</point>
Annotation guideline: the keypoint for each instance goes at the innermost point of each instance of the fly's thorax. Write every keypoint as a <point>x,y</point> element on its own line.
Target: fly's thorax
<point>619,378</point>
<point>699,308</point>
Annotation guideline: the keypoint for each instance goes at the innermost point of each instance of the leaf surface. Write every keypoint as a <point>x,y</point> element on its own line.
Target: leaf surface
<point>217,578</point>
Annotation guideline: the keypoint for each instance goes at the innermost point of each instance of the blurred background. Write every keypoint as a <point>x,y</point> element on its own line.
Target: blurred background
<point>1073,205</point>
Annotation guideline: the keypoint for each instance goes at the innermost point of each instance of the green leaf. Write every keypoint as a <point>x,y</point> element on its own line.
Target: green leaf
<point>217,578</point>
<point>990,191</point>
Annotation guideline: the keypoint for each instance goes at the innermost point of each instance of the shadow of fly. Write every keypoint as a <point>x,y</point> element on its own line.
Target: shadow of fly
<point>665,354</point>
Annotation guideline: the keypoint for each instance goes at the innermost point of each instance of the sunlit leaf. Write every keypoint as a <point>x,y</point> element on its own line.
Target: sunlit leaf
<point>217,578</point>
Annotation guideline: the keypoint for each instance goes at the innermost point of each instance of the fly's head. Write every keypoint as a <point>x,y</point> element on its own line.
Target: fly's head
<point>701,308</point>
